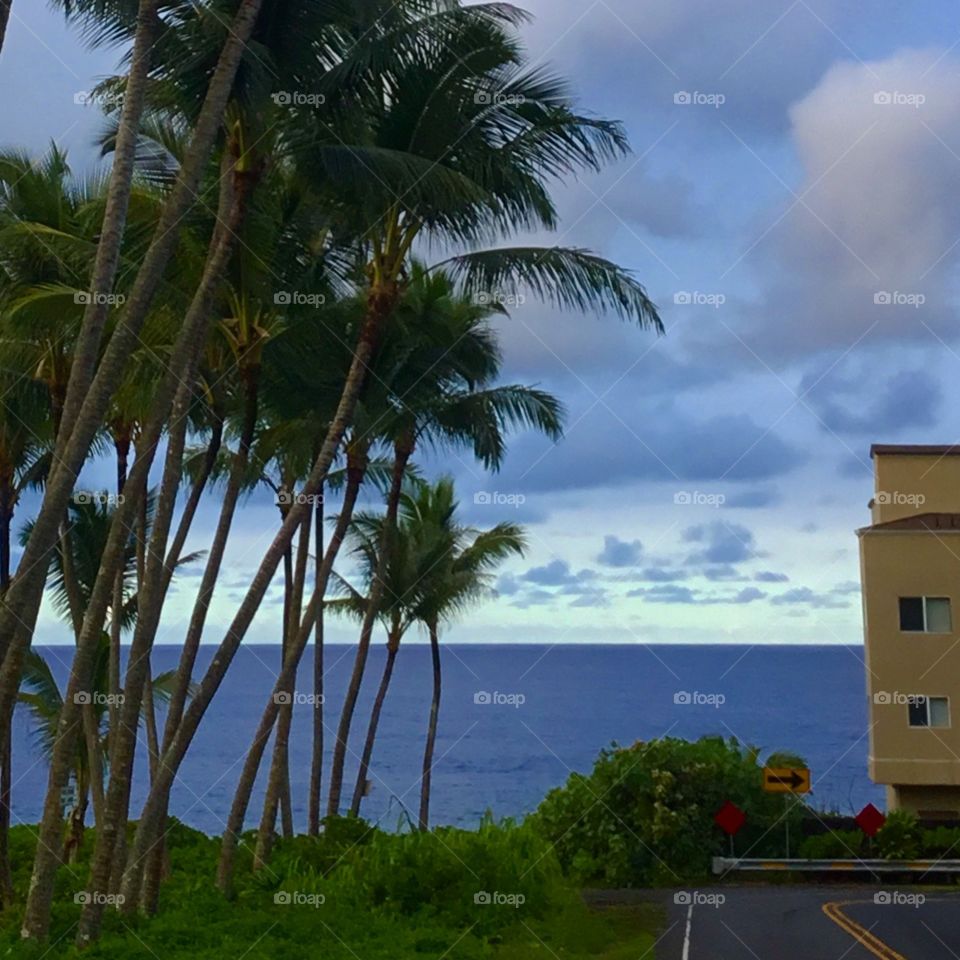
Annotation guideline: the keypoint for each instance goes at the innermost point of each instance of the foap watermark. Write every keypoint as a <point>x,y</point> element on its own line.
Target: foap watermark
<point>485,698</point>
<point>496,98</point>
<point>898,898</point>
<point>894,698</point>
<point>298,898</point>
<point>298,298</point>
<point>84,897</point>
<point>98,699</point>
<point>288,498</point>
<point>899,498</point>
<point>298,98</point>
<point>499,298</point>
<point>285,697</point>
<point>698,498</point>
<point>697,898</point>
<point>486,498</point>
<point>99,98</point>
<point>899,98</point>
<point>100,497</point>
<point>697,298</point>
<point>898,298</point>
<point>484,898</point>
<point>686,698</point>
<point>84,298</point>
<point>697,98</point>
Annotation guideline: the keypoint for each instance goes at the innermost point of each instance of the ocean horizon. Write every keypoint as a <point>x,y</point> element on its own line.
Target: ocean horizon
<point>515,721</point>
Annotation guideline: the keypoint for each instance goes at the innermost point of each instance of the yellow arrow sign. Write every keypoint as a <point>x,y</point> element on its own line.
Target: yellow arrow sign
<point>786,780</point>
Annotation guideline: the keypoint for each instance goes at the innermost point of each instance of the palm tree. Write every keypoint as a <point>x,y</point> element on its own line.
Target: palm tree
<point>452,192</point>
<point>461,578</point>
<point>443,398</point>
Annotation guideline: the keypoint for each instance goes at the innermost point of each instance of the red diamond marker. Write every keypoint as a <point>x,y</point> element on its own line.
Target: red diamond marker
<point>870,820</point>
<point>730,818</point>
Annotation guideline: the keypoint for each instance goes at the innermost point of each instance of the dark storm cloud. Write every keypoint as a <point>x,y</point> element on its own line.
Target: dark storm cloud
<point>855,402</point>
<point>607,449</point>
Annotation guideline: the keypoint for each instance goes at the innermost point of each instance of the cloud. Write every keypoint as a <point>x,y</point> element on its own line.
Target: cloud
<point>752,499</point>
<point>769,576</point>
<point>620,553</point>
<point>662,575</point>
<point>724,543</point>
<point>665,593</point>
<point>804,596</point>
<point>748,595</point>
<point>864,250</point>
<point>850,400</point>
<point>552,574</point>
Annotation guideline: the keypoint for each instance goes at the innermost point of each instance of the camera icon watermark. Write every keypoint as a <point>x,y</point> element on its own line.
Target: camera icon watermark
<point>898,898</point>
<point>686,698</point>
<point>697,898</point>
<point>286,698</point>
<point>297,98</point>
<point>298,898</point>
<point>899,498</point>
<point>495,498</point>
<point>698,498</point>
<point>897,98</point>
<point>298,298</point>
<point>696,98</point>
<point>897,298</point>
<point>696,298</point>
<point>85,298</point>
<point>484,898</point>
<point>85,897</point>
<point>484,698</point>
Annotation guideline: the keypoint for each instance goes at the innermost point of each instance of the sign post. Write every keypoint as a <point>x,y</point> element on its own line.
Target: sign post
<point>789,781</point>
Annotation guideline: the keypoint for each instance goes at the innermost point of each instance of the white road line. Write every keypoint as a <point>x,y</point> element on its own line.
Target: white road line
<point>686,935</point>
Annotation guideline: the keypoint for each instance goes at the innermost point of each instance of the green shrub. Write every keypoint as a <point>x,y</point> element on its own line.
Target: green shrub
<point>645,813</point>
<point>900,838</point>
<point>835,845</point>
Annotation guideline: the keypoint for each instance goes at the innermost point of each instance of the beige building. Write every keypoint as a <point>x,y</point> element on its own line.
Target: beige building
<point>910,570</point>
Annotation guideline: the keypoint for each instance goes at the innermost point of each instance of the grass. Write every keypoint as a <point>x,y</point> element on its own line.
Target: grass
<point>356,892</point>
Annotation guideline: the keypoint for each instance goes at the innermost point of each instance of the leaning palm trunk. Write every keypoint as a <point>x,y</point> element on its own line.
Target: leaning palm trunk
<point>278,783</point>
<point>360,788</point>
<point>148,886</point>
<point>430,746</point>
<point>316,758</point>
<point>5,6</point>
<point>152,591</point>
<point>18,615</point>
<point>380,308</point>
<point>189,341</point>
<point>401,458</point>
<point>254,756</point>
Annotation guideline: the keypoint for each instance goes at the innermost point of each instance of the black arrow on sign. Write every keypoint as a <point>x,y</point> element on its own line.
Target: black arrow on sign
<point>793,781</point>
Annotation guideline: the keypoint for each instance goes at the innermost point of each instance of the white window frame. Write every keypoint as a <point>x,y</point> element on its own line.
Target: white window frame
<point>923,599</point>
<point>928,725</point>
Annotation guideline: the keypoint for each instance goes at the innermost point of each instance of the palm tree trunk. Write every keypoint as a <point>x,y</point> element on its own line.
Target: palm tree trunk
<point>122,447</point>
<point>6,740</point>
<point>428,749</point>
<point>18,615</point>
<point>151,593</point>
<point>187,346</point>
<point>360,788</point>
<point>381,306</point>
<point>366,633</point>
<point>278,785</point>
<point>248,775</point>
<point>5,6</point>
<point>316,759</point>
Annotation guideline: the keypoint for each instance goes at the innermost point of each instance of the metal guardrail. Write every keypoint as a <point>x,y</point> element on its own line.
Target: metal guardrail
<point>729,864</point>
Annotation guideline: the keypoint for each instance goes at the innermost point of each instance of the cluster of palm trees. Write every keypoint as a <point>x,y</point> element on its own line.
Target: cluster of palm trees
<point>251,295</point>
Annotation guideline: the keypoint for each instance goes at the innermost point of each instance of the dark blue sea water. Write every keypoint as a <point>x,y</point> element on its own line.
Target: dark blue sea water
<point>542,713</point>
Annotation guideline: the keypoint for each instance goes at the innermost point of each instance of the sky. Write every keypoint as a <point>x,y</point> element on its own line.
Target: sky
<point>792,204</point>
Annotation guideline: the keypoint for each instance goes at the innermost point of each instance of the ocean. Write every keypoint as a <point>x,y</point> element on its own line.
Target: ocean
<point>515,721</point>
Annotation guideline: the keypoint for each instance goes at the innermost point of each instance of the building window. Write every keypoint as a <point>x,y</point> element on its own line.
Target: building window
<point>925,615</point>
<point>928,712</point>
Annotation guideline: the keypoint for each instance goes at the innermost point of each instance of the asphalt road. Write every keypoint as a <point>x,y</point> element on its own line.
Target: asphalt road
<point>810,923</point>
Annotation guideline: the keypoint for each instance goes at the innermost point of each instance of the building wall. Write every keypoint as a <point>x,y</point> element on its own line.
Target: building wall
<point>901,480</point>
<point>895,564</point>
<point>927,802</point>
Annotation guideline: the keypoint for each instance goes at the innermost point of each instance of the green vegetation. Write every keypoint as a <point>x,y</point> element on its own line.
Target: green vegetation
<point>645,813</point>
<point>354,891</point>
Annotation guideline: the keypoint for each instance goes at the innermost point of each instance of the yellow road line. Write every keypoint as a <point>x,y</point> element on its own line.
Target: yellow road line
<point>863,936</point>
